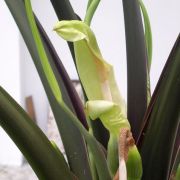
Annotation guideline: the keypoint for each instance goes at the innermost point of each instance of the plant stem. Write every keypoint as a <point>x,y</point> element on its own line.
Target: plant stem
<point>91,8</point>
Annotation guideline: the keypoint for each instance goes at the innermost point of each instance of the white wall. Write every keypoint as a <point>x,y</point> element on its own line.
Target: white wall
<point>32,86</point>
<point>9,77</point>
<point>108,25</point>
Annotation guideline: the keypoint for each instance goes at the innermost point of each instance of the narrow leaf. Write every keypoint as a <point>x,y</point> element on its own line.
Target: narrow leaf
<point>148,34</point>
<point>64,10</point>
<point>43,57</point>
<point>162,120</point>
<point>136,65</point>
<point>175,170</point>
<point>31,141</point>
<point>176,150</point>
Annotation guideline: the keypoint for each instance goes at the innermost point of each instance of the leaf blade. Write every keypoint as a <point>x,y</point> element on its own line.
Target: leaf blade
<point>43,57</point>
<point>162,117</point>
<point>136,57</point>
<point>25,134</point>
<point>148,33</point>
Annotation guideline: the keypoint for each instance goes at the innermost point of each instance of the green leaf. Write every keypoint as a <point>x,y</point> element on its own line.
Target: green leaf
<point>175,167</point>
<point>43,57</point>
<point>176,150</point>
<point>178,173</point>
<point>64,10</point>
<point>162,120</point>
<point>76,161</point>
<point>100,132</point>
<point>134,164</point>
<point>112,154</point>
<point>136,65</point>
<point>148,33</point>
<point>31,141</point>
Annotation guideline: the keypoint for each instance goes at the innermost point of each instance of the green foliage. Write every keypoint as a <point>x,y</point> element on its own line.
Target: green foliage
<point>41,52</point>
<point>87,158</point>
<point>79,160</point>
<point>148,33</point>
<point>137,73</point>
<point>134,172</point>
<point>162,125</point>
<point>31,141</point>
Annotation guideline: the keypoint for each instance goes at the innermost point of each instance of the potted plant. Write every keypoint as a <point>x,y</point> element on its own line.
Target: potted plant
<point>103,139</point>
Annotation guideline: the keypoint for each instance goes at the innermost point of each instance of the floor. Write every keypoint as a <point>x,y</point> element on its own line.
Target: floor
<point>17,173</point>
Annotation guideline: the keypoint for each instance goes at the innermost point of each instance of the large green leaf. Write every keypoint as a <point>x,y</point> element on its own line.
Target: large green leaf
<point>162,120</point>
<point>136,65</point>
<point>76,149</point>
<point>46,162</point>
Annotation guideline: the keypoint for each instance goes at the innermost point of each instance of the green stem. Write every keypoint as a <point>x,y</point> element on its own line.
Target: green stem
<point>89,3</point>
<point>112,156</point>
<point>91,8</point>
